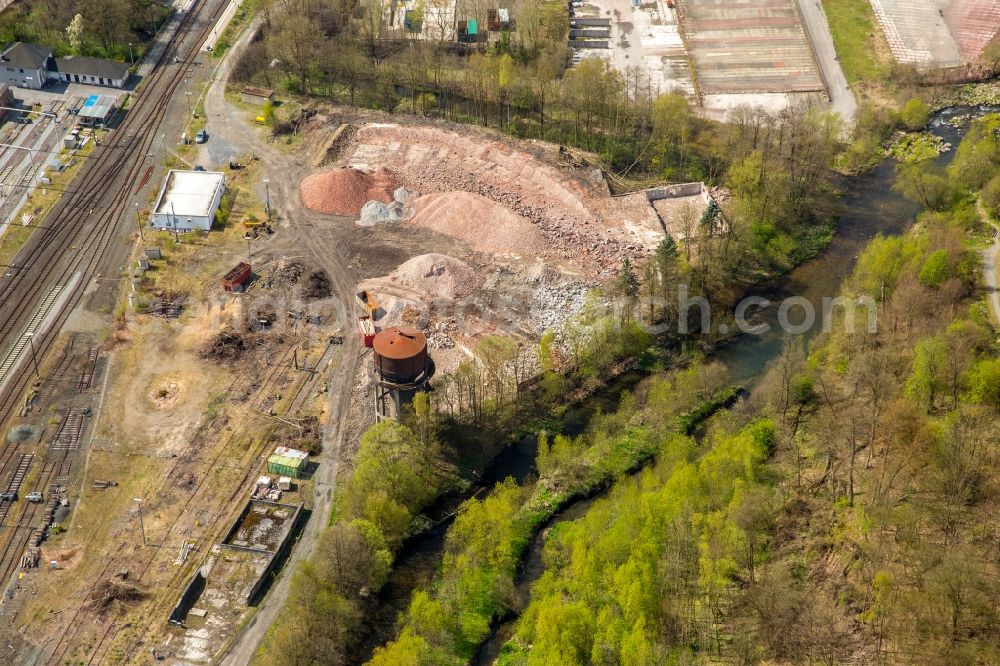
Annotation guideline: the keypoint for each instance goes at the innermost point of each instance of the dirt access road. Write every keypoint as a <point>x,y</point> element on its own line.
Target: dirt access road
<point>990,256</point>
<point>228,125</point>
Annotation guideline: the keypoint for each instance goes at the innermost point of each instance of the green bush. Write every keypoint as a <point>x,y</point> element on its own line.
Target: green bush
<point>915,113</point>
<point>936,270</point>
<point>990,196</point>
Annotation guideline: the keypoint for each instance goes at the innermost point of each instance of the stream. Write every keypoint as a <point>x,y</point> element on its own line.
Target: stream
<point>869,207</point>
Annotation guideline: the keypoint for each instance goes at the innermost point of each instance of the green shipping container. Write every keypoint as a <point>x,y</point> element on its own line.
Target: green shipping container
<point>473,27</point>
<point>287,462</point>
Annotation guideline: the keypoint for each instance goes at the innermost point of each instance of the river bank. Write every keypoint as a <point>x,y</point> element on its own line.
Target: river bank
<point>869,207</point>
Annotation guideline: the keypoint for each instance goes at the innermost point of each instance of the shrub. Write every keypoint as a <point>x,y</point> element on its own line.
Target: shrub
<point>915,113</point>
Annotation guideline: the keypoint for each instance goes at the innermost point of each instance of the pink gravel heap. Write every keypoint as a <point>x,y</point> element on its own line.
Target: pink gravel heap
<point>345,191</point>
<point>478,221</point>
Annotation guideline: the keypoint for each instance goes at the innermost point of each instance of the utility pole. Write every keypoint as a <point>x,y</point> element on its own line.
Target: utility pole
<point>142,526</point>
<point>173,216</point>
<point>249,253</point>
<point>34,357</point>
<point>138,222</point>
<point>130,56</point>
<point>267,198</point>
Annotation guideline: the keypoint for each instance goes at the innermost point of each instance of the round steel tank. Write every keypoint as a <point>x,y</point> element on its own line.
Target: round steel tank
<point>400,354</point>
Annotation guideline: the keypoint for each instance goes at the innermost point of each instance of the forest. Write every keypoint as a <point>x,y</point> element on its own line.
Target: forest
<point>100,28</point>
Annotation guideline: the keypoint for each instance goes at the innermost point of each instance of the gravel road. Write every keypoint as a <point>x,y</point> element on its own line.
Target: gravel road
<point>228,126</point>
<point>990,255</point>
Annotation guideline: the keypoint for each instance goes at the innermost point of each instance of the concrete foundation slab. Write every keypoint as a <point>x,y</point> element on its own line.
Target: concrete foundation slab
<point>753,46</point>
<point>973,24</point>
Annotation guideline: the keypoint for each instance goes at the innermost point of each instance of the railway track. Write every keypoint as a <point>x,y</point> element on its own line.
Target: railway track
<point>75,238</point>
<point>173,587</point>
<point>24,528</point>
<point>86,220</point>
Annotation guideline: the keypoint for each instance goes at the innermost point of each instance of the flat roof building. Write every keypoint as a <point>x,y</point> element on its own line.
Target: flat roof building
<point>255,95</point>
<point>98,110</point>
<point>189,200</point>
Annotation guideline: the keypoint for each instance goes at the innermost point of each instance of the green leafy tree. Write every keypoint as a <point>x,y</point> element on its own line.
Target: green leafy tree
<point>983,381</point>
<point>925,184</point>
<point>927,379</point>
<point>674,125</point>
<point>990,196</point>
<point>627,286</point>
<point>666,266</point>
<point>267,110</point>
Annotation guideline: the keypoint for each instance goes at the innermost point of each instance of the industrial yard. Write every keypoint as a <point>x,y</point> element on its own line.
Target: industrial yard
<point>203,333</point>
<point>944,34</point>
<point>229,338</point>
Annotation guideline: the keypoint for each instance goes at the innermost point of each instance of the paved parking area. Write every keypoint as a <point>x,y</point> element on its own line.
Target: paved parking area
<point>749,46</point>
<point>973,23</point>
<point>917,32</point>
<point>644,43</point>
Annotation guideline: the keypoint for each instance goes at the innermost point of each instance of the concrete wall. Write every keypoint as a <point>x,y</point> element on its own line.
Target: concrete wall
<point>194,223</point>
<point>188,598</point>
<point>675,191</point>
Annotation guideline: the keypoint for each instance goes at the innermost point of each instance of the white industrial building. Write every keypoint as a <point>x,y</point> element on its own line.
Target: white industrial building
<point>28,65</point>
<point>189,200</point>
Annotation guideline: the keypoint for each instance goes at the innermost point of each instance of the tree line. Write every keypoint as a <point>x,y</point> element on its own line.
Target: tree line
<point>102,28</point>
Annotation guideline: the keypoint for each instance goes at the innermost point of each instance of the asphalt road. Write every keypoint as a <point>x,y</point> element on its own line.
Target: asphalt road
<point>842,98</point>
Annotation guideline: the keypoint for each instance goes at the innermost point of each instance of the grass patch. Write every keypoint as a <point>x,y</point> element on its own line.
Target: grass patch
<point>857,38</point>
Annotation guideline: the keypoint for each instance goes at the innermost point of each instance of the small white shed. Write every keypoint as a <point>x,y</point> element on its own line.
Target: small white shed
<point>189,200</point>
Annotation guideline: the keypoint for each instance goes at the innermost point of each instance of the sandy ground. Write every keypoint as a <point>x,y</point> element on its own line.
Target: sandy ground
<point>583,228</point>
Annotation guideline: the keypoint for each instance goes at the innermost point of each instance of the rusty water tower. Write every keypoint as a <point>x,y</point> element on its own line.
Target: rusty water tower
<point>401,367</point>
